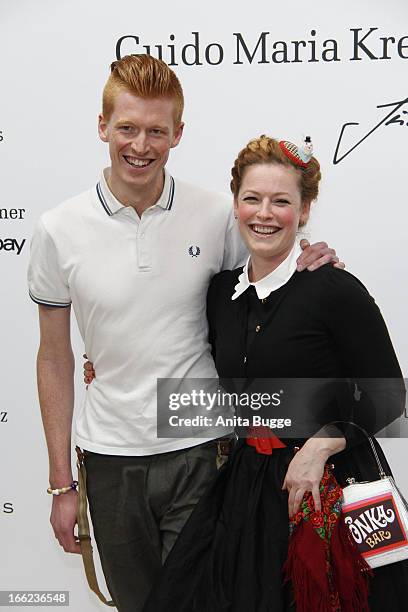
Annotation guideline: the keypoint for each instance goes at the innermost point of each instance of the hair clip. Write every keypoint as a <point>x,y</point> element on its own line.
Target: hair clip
<point>300,156</point>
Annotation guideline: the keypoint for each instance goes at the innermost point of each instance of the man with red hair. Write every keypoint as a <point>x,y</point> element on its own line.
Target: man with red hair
<point>134,256</point>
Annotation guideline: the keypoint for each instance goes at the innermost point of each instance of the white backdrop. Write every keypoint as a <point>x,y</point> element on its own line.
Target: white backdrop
<point>54,61</point>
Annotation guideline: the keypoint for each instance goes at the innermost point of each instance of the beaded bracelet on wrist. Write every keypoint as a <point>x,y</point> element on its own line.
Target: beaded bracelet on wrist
<point>72,487</point>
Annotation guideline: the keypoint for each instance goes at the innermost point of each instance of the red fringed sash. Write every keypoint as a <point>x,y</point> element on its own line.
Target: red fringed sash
<point>328,573</point>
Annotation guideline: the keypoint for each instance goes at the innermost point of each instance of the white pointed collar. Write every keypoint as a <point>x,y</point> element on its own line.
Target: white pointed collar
<point>272,281</point>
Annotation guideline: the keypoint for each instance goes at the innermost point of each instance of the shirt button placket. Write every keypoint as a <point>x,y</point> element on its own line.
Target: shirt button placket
<point>143,254</point>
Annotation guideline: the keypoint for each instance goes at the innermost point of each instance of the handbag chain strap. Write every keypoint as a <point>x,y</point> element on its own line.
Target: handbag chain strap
<point>376,457</point>
<point>381,470</point>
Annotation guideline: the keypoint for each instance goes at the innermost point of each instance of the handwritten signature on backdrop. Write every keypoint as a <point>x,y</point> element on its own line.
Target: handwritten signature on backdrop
<point>397,116</point>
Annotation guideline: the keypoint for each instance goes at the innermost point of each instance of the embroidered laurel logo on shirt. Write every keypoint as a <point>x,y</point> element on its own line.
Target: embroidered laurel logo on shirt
<point>194,251</point>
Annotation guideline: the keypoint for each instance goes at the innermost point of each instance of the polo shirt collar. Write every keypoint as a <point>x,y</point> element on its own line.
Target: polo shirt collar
<point>112,205</point>
<point>272,281</point>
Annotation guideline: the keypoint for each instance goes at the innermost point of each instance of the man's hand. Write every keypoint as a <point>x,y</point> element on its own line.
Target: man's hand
<point>317,255</point>
<point>63,520</point>
<point>89,372</point>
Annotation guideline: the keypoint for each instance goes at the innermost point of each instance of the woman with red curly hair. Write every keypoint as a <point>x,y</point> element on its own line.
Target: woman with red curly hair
<point>268,535</point>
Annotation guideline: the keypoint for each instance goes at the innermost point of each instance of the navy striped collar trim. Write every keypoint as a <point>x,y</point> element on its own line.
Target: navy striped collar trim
<point>54,303</point>
<point>102,199</point>
<point>171,194</point>
<point>166,204</point>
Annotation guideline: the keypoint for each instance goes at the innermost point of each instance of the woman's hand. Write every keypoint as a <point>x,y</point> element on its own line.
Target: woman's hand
<point>306,469</point>
<point>89,372</point>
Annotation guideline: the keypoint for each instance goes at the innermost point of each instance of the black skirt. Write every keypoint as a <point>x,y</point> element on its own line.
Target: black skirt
<point>230,554</point>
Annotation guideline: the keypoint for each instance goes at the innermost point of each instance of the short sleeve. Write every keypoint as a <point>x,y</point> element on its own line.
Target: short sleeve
<point>45,279</point>
<point>235,252</point>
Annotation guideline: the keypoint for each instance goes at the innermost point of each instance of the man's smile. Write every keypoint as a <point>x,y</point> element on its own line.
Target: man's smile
<point>137,162</point>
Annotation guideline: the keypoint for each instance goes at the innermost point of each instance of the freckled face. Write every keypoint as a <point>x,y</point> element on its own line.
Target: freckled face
<point>269,209</point>
<point>140,133</point>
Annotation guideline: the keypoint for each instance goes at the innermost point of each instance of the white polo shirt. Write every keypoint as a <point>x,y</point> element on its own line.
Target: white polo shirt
<point>138,288</point>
